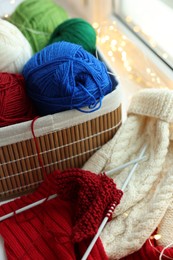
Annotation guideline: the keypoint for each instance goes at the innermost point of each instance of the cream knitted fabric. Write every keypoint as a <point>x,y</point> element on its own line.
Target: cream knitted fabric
<point>150,191</point>
<point>165,228</point>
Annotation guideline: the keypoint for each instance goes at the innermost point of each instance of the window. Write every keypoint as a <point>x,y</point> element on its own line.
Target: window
<point>151,21</point>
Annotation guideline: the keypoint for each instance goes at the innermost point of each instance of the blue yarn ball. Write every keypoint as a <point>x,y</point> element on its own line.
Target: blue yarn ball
<point>64,76</point>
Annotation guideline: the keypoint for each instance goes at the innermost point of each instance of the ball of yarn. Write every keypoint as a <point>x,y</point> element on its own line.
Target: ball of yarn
<point>37,19</point>
<point>76,30</point>
<point>64,76</point>
<point>15,105</point>
<point>15,49</point>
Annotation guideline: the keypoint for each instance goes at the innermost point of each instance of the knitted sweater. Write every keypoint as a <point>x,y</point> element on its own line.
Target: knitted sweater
<point>150,191</point>
<point>61,228</point>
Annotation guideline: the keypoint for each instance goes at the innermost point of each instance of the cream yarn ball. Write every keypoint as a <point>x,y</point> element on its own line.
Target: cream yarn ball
<point>15,49</point>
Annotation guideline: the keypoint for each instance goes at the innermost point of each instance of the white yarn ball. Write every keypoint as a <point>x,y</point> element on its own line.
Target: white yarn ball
<point>15,50</point>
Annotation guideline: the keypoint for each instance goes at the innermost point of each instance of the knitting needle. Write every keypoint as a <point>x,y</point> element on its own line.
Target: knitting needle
<point>105,220</point>
<point>27,207</point>
<point>55,195</point>
<point>121,167</point>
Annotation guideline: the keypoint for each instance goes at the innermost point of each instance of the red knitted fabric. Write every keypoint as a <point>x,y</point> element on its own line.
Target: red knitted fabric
<point>58,229</point>
<point>150,251</point>
<point>93,195</point>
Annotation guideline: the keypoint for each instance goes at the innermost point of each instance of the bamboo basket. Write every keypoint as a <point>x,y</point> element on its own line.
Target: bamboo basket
<point>66,139</point>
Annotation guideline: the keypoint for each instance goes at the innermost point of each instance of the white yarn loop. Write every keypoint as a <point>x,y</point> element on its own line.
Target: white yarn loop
<point>162,252</point>
<point>15,49</point>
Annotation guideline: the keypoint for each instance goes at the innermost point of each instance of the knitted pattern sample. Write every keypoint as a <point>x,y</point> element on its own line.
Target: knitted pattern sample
<point>93,195</point>
<point>60,228</point>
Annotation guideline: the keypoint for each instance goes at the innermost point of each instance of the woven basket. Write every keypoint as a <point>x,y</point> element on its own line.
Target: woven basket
<point>66,140</point>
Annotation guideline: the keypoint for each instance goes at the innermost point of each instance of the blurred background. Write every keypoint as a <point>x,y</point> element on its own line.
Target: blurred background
<point>135,37</point>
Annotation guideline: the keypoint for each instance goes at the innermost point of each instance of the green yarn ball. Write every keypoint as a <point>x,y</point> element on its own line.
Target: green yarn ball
<point>76,30</point>
<point>37,19</point>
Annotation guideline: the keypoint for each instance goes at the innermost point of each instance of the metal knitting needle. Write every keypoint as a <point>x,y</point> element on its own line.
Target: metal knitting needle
<point>55,195</point>
<point>105,220</point>
<point>121,167</point>
<point>27,207</point>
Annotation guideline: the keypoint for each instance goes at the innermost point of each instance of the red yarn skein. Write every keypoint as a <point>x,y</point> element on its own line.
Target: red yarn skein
<point>15,105</point>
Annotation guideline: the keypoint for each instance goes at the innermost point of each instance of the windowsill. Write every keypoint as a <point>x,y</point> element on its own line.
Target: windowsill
<point>131,61</point>
<point>145,69</point>
<point>150,27</point>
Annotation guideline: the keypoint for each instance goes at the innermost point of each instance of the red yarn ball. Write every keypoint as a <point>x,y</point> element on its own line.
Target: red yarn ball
<point>15,105</point>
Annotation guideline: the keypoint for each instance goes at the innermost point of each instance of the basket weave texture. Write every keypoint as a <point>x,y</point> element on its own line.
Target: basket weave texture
<point>66,148</point>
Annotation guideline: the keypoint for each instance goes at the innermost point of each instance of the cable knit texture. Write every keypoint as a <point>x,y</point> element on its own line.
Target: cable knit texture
<point>149,192</point>
<point>61,228</point>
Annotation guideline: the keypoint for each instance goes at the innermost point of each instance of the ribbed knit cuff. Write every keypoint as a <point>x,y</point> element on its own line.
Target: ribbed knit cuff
<point>156,103</point>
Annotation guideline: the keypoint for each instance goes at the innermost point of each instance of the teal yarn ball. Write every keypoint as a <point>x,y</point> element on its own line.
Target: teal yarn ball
<point>37,19</point>
<point>78,31</point>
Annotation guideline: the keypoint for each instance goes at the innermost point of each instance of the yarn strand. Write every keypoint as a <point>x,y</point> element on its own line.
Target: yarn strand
<point>37,148</point>
<point>163,250</point>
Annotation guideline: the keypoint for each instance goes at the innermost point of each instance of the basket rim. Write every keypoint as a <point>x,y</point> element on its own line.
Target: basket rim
<point>50,123</point>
